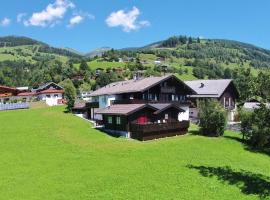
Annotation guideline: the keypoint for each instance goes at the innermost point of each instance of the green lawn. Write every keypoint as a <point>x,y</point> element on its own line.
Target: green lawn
<point>47,154</point>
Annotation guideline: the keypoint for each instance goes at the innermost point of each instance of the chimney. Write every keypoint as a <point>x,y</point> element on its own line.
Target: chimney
<point>136,77</point>
<point>202,85</point>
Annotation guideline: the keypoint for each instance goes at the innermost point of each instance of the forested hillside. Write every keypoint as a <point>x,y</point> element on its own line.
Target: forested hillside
<point>24,61</point>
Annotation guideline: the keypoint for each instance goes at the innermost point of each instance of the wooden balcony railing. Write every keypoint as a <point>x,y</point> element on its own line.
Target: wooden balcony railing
<point>154,130</point>
<point>92,105</point>
<point>167,90</point>
<point>141,101</point>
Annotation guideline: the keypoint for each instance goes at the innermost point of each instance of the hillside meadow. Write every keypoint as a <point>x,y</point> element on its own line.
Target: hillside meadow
<point>48,154</point>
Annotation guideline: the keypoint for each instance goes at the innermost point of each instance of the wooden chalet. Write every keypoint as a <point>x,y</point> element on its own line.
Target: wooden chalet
<point>148,108</point>
<point>143,121</point>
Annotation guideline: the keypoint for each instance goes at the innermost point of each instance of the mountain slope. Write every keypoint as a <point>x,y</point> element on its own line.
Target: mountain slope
<point>221,51</point>
<point>13,48</point>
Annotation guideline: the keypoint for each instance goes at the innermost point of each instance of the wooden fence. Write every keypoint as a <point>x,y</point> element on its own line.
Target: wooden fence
<point>14,106</point>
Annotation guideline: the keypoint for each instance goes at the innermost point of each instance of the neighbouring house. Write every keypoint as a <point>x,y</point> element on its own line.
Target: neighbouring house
<point>15,98</point>
<point>250,106</point>
<point>7,94</point>
<point>99,71</point>
<point>222,90</point>
<point>85,95</point>
<point>26,96</point>
<point>10,99</point>
<point>144,92</point>
<point>79,109</point>
<point>51,93</point>
<point>143,121</point>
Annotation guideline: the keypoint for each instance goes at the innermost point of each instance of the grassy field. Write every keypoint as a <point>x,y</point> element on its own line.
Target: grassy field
<point>102,64</point>
<point>47,154</point>
<point>26,52</point>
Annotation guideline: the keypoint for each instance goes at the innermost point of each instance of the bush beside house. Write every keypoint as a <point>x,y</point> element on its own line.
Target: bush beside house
<point>255,127</point>
<point>70,93</point>
<point>212,118</point>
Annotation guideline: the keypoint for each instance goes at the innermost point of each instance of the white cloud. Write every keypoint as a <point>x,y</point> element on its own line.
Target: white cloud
<point>5,22</point>
<point>75,20</point>
<point>79,17</point>
<point>20,17</point>
<point>51,15</point>
<point>126,19</point>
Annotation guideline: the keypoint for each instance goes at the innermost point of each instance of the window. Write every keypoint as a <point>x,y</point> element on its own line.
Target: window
<point>118,120</point>
<point>110,120</point>
<point>166,116</point>
<point>232,103</point>
<point>56,95</point>
<point>227,102</point>
<point>48,96</point>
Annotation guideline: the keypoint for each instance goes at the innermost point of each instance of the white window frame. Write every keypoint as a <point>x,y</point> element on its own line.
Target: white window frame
<point>110,119</point>
<point>118,120</point>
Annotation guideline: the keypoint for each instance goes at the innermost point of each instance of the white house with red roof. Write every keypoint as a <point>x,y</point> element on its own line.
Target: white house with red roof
<point>51,93</point>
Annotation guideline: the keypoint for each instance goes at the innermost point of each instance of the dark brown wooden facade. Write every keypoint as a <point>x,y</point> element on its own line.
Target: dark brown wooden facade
<point>229,97</point>
<point>170,90</point>
<point>147,124</point>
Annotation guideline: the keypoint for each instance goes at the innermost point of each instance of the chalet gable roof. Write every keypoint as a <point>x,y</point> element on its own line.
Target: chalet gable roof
<point>122,109</point>
<point>127,109</point>
<point>46,85</point>
<point>133,85</point>
<point>164,106</point>
<point>209,88</point>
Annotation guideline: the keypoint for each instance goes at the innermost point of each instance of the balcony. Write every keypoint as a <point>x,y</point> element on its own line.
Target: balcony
<point>157,130</point>
<point>167,90</point>
<point>92,105</point>
<point>141,101</point>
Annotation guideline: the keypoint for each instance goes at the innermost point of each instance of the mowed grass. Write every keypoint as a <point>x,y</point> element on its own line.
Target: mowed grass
<point>47,154</point>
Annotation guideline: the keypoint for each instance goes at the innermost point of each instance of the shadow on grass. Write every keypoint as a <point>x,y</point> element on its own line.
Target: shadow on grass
<point>194,132</point>
<point>246,146</point>
<point>247,182</point>
<point>262,151</point>
<point>236,138</point>
<point>111,134</point>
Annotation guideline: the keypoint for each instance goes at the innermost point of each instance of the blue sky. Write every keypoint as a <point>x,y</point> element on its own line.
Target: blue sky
<point>88,24</point>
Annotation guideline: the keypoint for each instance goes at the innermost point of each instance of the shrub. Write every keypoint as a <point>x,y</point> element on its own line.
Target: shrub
<point>255,127</point>
<point>70,93</point>
<point>212,118</point>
